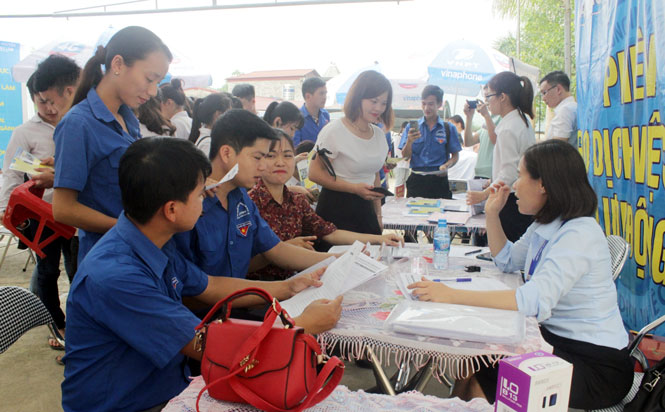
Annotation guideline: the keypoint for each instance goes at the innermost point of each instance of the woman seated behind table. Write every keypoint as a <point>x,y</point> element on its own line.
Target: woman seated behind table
<point>568,278</point>
<point>289,214</point>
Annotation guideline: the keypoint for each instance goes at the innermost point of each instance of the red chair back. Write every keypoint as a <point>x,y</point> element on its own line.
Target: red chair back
<point>26,203</point>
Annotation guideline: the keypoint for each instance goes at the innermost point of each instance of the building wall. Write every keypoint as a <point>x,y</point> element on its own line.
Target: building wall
<point>274,88</point>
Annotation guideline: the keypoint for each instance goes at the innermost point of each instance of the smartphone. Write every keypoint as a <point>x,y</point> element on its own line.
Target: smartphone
<point>382,190</point>
<point>472,103</point>
<point>485,256</point>
<point>413,124</point>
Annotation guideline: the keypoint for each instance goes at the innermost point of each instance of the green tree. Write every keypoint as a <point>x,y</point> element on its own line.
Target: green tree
<point>541,37</point>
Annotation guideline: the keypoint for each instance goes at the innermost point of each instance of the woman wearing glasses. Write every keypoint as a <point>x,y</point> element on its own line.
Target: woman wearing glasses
<point>567,266</point>
<point>510,97</point>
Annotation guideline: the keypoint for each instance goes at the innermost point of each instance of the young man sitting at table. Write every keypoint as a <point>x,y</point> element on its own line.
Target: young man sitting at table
<point>289,214</point>
<point>231,231</point>
<point>127,330</point>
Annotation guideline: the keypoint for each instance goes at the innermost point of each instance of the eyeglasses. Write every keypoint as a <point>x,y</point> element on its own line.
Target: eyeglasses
<point>487,98</point>
<point>544,93</point>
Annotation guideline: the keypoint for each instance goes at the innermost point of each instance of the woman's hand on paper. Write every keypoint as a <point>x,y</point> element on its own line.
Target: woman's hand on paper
<point>306,242</point>
<point>429,291</point>
<point>320,315</point>
<point>474,197</point>
<point>365,191</point>
<point>499,193</point>
<point>300,283</point>
<point>392,239</point>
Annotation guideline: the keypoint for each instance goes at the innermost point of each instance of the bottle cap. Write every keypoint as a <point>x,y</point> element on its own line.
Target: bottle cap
<point>443,223</point>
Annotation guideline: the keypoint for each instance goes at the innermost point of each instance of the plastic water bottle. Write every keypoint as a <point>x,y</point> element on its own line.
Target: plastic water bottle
<point>441,245</point>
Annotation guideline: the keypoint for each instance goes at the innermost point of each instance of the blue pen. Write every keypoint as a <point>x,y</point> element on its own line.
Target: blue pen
<point>453,280</point>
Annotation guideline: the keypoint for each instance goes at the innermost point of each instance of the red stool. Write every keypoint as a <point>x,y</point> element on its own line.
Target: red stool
<point>26,203</point>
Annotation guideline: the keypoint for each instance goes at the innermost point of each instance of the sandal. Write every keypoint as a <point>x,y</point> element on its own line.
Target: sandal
<point>58,360</point>
<point>54,344</point>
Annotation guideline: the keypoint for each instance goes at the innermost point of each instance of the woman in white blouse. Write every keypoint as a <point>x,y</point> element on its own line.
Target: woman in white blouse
<point>567,272</point>
<point>350,152</point>
<point>173,108</point>
<point>510,97</point>
<point>206,111</point>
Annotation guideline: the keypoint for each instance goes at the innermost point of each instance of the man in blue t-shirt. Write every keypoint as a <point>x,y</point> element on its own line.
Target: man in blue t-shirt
<point>231,232</point>
<point>316,117</point>
<point>433,149</point>
<point>127,330</point>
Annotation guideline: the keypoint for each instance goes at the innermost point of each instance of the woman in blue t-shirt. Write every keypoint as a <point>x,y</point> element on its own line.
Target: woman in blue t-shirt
<point>92,137</point>
<point>567,272</point>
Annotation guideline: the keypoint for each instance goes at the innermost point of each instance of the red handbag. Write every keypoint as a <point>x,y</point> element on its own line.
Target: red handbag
<point>271,367</point>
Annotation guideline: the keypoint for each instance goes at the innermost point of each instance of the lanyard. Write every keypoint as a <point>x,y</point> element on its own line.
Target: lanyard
<point>536,260</point>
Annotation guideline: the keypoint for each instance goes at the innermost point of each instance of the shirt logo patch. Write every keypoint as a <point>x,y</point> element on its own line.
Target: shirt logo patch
<point>174,282</point>
<point>441,141</point>
<point>242,210</point>
<point>243,228</point>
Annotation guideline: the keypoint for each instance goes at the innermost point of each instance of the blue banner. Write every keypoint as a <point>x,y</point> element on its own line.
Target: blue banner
<point>11,107</point>
<point>621,104</point>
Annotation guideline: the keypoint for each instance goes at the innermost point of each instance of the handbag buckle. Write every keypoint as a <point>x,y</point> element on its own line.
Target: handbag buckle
<point>248,364</point>
<point>198,341</point>
<point>650,385</point>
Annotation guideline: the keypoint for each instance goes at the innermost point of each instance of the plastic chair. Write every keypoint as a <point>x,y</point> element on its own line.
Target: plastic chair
<point>20,311</point>
<point>636,354</point>
<point>5,233</point>
<point>26,203</point>
<point>619,252</point>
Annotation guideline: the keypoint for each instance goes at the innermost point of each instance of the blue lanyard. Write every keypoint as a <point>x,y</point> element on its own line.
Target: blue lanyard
<point>536,260</point>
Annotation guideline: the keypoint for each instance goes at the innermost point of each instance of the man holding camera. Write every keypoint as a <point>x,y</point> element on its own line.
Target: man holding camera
<point>433,147</point>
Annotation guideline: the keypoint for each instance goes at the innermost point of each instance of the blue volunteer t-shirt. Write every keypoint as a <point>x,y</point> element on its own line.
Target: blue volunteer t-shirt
<point>223,242</point>
<point>89,143</point>
<point>434,147</point>
<point>126,323</point>
<point>310,129</point>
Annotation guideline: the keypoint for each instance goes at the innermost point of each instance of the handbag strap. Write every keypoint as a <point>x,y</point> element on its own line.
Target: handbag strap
<point>333,367</point>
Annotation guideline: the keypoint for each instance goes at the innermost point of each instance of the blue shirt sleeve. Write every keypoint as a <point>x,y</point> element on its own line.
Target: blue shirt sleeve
<point>144,317</point>
<point>454,145</point>
<point>513,255</point>
<point>264,238</point>
<point>73,159</point>
<point>402,142</point>
<point>194,280</point>
<point>565,259</point>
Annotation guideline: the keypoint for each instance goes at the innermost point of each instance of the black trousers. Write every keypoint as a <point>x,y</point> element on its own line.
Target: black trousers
<point>514,223</point>
<point>428,186</point>
<point>348,211</point>
<point>602,376</point>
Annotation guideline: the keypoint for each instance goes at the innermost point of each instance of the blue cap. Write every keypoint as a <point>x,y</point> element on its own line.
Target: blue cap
<point>443,223</point>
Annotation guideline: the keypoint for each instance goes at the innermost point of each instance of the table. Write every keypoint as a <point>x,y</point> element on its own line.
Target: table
<point>360,328</point>
<point>393,217</point>
<point>341,400</point>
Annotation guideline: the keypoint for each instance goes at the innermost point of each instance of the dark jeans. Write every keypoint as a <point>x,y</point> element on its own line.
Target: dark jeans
<point>48,271</point>
<point>348,212</point>
<point>428,186</point>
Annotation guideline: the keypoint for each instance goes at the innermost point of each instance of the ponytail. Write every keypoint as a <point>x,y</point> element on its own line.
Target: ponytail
<point>286,111</point>
<point>204,112</point>
<point>196,122</point>
<point>91,76</point>
<point>174,92</point>
<point>518,89</point>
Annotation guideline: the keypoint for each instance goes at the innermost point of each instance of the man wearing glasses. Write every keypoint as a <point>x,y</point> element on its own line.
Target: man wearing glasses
<point>555,91</point>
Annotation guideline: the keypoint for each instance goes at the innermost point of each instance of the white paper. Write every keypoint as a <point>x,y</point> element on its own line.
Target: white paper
<point>477,186</point>
<point>462,322</point>
<point>230,175</point>
<point>345,273</point>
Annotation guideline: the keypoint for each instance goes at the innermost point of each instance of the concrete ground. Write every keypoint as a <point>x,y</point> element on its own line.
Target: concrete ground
<point>30,378</point>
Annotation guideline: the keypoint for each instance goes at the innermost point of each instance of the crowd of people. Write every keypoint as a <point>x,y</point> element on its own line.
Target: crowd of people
<point>132,159</point>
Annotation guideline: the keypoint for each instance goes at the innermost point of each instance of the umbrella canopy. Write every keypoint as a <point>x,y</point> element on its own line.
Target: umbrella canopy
<point>180,67</point>
<point>463,67</point>
<point>406,92</point>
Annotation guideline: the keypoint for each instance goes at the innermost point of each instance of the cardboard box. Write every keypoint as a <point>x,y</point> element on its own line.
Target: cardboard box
<point>536,381</point>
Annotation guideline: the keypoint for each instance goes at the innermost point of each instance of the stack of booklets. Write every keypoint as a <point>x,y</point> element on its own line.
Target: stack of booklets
<point>445,320</point>
<point>423,207</point>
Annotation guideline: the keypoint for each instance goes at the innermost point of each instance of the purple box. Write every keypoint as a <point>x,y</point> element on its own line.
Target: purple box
<point>536,381</point>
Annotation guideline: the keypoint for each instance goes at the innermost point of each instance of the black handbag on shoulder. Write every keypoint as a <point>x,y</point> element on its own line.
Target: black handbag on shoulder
<point>651,395</point>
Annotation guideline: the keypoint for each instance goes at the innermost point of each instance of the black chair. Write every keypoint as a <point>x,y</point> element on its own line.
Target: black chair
<point>20,311</point>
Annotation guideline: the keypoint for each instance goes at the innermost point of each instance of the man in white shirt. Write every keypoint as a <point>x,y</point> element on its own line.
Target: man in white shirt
<point>52,88</point>
<point>555,90</point>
